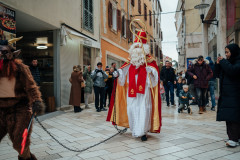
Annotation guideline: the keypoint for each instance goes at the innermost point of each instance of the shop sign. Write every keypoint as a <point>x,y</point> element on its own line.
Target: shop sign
<point>87,43</point>
<point>7,22</point>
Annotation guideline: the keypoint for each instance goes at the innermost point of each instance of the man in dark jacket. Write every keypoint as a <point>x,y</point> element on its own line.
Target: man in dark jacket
<point>168,77</point>
<point>201,72</point>
<point>228,70</point>
<point>211,85</point>
<point>35,71</point>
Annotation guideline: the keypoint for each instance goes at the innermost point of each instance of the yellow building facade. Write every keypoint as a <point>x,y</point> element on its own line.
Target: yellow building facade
<point>116,37</point>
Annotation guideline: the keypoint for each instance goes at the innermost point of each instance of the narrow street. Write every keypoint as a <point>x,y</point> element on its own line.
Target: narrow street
<point>183,136</point>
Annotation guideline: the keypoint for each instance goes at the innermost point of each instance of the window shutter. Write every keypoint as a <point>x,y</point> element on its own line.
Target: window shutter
<point>145,12</point>
<point>132,2</point>
<point>139,6</point>
<point>110,14</point>
<point>123,27</point>
<point>129,34</point>
<point>150,18</point>
<point>154,19</point>
<point>119,20</point>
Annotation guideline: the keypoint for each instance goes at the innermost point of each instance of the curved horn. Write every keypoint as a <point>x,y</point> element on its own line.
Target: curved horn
<point>11,41</point>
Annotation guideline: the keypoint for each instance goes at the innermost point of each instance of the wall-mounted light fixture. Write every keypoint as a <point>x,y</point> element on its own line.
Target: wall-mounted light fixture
<point>202,7</point>
<point>42,42</point>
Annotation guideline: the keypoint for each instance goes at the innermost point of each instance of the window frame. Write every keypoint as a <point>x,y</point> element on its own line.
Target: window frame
<point>89,15</point>
<point>114,9</point>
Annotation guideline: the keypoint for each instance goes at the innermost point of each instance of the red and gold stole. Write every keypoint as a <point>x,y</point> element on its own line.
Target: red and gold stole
<point>133,89</point>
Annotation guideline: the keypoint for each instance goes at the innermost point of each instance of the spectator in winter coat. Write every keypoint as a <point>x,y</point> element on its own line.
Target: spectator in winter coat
<point>168,77</point>
<point>228,70</point>
<point>98,76</point>
<point>211,85</point>
<point>35,71</point>
<point>201,72</point>
<point>75,94</point>
<point>89,85</point>
<point>109,86</point>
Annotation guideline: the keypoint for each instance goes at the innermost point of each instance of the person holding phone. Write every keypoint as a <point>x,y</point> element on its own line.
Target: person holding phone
<point>228,71</point>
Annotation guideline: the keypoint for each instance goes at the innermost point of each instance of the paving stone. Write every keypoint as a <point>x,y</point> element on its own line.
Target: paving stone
<point>167,157</point>
<point>212,155</point>
<point>187,153</point>
<point>182,137</point>
<point>50,157</point>
<point>168,150</point>
<point>141,156</point>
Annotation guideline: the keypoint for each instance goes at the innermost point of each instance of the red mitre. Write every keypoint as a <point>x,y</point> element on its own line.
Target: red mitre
<point>142,34</point>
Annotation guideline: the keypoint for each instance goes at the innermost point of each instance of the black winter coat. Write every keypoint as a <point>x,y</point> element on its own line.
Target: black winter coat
<point>229,100</point>
<point>167,75</point>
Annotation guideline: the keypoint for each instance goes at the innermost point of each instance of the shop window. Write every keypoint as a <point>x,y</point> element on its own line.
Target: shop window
<point>88,15</point>
<point>86,56</point>
<point>45,57</point>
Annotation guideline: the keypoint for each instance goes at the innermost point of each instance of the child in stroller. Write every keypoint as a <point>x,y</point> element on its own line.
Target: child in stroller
<point>184,97</point>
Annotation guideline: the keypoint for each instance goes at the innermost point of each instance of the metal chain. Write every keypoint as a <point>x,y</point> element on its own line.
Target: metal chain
<point>119,131</point>
<point>84,149</point>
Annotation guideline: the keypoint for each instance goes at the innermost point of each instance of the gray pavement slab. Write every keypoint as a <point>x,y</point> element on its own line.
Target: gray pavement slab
<point>182,137</point>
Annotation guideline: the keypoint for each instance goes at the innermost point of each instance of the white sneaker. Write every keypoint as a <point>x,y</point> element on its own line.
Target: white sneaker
<point>231,143</point>
<point>225,140</point>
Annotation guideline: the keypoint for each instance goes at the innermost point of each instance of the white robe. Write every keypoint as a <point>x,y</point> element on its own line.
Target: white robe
<point>139,108</point>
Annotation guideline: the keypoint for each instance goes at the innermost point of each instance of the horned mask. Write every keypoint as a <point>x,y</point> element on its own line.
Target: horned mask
<point>7,51</point>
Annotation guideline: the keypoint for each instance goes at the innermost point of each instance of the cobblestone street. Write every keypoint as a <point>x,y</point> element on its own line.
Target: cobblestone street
<point>183,137</point>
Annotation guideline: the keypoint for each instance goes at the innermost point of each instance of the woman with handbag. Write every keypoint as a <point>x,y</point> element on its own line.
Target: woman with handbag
<point>75,95</point>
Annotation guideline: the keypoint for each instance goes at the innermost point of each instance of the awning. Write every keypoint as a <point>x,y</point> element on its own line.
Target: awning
<point>66,33</point>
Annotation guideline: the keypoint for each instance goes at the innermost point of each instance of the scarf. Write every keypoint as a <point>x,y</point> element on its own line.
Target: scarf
<point>133,89</point>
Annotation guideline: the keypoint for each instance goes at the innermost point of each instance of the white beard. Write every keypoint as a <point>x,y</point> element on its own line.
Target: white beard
<point>136,54</point>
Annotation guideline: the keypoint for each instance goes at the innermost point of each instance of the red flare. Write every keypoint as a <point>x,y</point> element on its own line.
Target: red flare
<point>25,133</point>
<point>1,64</point>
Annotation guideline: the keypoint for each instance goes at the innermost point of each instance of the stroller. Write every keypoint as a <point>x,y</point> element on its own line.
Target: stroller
<point>186,107</point>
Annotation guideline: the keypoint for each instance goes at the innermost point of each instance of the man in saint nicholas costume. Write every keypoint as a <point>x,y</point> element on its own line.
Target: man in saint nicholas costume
<point>134,103</point>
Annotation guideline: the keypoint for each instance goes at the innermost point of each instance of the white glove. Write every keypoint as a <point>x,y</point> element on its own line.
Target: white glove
<point>149,70</point>
<point>115,74</point>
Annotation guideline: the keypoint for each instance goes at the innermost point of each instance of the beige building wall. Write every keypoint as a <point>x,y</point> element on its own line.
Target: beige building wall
<point>55,12</point>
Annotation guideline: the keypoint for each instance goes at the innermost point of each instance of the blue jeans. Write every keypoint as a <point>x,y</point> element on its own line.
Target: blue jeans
<point>211,87</point>
<point>169,87</point>
<point>201,96</point>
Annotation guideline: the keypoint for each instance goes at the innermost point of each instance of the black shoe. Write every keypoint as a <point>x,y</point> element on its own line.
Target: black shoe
<point>193,103</point>
<point>168,105</point>
<point>144,138</point>
<point>213,108</point>
<point>103,109</point>
<point>179,110</point>
<point>98,110</point>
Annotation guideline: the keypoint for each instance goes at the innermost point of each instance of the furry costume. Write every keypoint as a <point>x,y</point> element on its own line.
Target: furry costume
<point>19,95</point>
